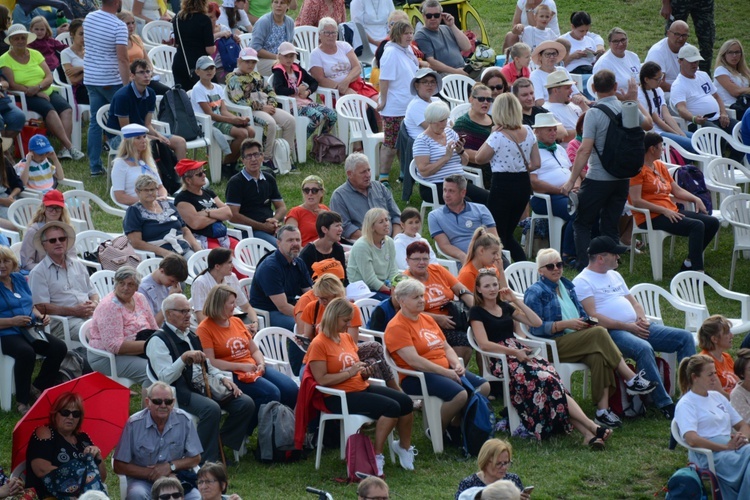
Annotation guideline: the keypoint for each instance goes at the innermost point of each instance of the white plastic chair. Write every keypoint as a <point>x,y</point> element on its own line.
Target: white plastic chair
<point>84,336</point>
<point>89,241</point>
<point>704,451</point>
<point>197,263</point>
<point>21,211</point>
<point>80,204</point>
<point>272,343</point>
<point>103,281</point>
<point>655,240</point>
<point>35,193</point>
<point>156,33</point>
<point>699,160</point>
<point>520,276</point>
<point>30,115</point>
<point>245,40</point>
<point>366,308</point>
<point>64,38</point>
<point>350,422</point>
<point>432,205</point>
<point>248,253</point>
<point>13,236</point>
<point>161,58</point>
<point>352,112</point>
<point>456,89</point>
<point>689,286</point>
<point>148,266</point>
<point>80,111</point>
<point>735,209</point>
<point>457,112</point>
<point>446,260</point>
<point>707,141</point>
<point>306,37</point>
<point>7,382</point>
<point>555,224</point>
<point>264,318</point>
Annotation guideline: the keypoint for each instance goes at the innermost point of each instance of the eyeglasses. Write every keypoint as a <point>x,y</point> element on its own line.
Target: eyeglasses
<point>53,208</point>
<point>503,465</point>
<point>329,33</point>
<point>201,173</point>
<point>311,190</point>
<point>429,82</point>
<point>167,402</point>
<point>680,36</point>
<point>201,482</point>
<point>252,156</point>
<point>550,55</point>
<point>484,99</point>
<point>619,41</point>
<point>69,413</point>
<point>61,239</point>
<point>148,190</point>
<point>658,78</point>
<point>734,53</point>
<point>433,16</point>
<point>419,259</point>
<point>551,267</point>
<point>167,496</point>
<point>131,23</point>
<point>181,311</point>
<point>497,87</point>
<point>146,72</point>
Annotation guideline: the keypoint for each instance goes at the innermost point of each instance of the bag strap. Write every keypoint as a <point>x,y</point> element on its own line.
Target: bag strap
<point>182,47</point>
<point>523,155</point>
<point>612,118</point>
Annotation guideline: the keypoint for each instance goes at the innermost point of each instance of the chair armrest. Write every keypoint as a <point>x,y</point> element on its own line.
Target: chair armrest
<point>328,96</point>
<point>13,236</point>
<point>242,227</point>
<point>239,110</point>
<point>288,104</point>
<point>145,254</point>
<point>450,265</point>
<point>21,99</point>
<point>336,393</point>
<point>550,343</point>
<point>265,316</point>
<point>205,121</point>
<point>161,127</point>
<point>71,183</point>
<point>91,264</point>
<point>234,233</point>
<point>539,347</point>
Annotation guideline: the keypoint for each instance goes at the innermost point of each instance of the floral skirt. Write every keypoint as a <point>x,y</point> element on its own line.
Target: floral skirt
<point>536,393</point>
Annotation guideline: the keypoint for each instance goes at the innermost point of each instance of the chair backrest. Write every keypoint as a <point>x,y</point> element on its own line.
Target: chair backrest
<point>366,308</point>
<point>681,441</point>
<point>736,210</point>
<point>250,250</point>
<point>458,111</point>
<point>16,249</point>
<point>102,116</point>
<point>648,295</point>
<point>456,89</point>
<point>521,275</point>
<point>198,262</point>
<point>63,38</point>
<point>79,204</point>
<point>419,180</point>
<point>353,107</point>
<point>707,141</point>
<point>21,211</point>
<point>157,33</point>
<point>148,266</point>
<point>103,281</point>
<point>306,37</point>
<point>726,171</point>
<point>245,40</point>
<point>736,134</point>
<point>245,284</point>
<point>161,58</point>
<point>367,55</point>
<point>272,343</point>
<point>88,241</point>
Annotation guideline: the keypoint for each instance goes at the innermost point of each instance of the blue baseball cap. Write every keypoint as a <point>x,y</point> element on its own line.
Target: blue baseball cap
<point>40,145</point>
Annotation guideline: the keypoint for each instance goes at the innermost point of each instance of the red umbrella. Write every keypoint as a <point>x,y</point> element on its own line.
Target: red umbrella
<point>106,406</point>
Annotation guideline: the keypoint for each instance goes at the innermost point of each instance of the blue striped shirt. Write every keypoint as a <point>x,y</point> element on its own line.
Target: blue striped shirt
<point>102,33</point>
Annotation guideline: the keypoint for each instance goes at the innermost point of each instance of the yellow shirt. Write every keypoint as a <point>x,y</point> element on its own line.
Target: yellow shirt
<point>30,74</point>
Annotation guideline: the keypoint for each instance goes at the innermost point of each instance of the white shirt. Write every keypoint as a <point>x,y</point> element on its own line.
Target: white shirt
<point>124,176</point>
<point>555,167</point>
<point>656,104</point>
<point>661,54</point>
<point>244,21</point>
<point>398,68</point>
<point>402,240</point>
<point>697,93</point>
<point>214,97</point>
<point>205,283</point>
<point>415,115</point>
<point>335,66</point>
<point>538,78</point>
<point>585,43</point>
<point>609,292</point>
<point>533,36</point>
<point>567,114</point>
<point>626,67</point>
<point>102,33</point>
<point>709,416</point>
<point>507,157</point>
<point>553,24</point>
<point>373,15</point>
<point>739,80</point>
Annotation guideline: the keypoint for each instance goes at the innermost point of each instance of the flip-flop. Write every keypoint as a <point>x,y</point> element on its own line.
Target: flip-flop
<point>603,433</point>
<point>596,444</point>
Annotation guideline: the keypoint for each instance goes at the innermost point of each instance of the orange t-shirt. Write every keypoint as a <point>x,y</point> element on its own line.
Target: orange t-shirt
<point>309,312</point>
<point>656,188</point>
<point>438,290</point>
<point>302,302</point>
<point>424,335</point>
<point>725,371</point>
<point>338,357</point>
<point>230,343</point>
<point>468,275</point>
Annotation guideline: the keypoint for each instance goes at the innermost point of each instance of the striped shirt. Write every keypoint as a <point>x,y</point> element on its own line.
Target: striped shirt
<point>102,33</point>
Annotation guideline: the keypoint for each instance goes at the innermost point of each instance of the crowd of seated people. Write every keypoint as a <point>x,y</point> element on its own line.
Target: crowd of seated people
<point>519,121</point>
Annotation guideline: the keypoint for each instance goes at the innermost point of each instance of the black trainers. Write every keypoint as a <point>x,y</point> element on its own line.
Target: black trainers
<point>609,419</point>
<point>640,385</point>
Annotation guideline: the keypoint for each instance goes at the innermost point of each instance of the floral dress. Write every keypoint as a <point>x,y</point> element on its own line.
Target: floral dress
<point>536,390</point>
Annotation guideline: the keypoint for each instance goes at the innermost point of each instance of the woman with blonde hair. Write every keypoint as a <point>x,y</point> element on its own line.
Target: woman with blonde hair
<point>305,215</point>
<point>715,340</point>
<point>373,256</point>
<point>484,252</point>
<point>494,459</point>
<point>732,76</point>
<point>133,159</point>
<point>334,362</point>
<point>512,153</point>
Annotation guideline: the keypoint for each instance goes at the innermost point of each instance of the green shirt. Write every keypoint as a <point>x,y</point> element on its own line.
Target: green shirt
<point>30,74</point>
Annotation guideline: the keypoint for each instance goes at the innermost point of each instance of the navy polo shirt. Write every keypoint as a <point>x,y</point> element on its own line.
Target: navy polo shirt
<point>128,102</point>
<point>253,196</point>
<point>275,275</point>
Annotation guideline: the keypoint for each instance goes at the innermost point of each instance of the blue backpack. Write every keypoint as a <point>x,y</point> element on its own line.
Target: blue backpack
<point>691,482</point>
<point>229,51</point>
<point>690,178</point>
<point>478,424</point>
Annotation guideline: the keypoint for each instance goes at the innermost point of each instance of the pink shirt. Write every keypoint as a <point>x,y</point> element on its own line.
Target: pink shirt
<point>114,323</point>
<point>510,72</point>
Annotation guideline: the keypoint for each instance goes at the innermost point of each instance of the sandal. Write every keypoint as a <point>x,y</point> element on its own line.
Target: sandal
<point>596,444</point>
<point>603,433</point>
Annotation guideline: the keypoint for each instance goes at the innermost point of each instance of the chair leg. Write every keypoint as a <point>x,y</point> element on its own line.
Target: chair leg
<point>734,263</point>
<point>319,447</point>
<point>655,249</point>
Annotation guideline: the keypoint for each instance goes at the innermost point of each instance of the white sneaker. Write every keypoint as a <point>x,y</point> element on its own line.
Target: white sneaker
<point>77,154</point>
<point>65,154</point>
<point>380,461</point>
<point>405,457</point>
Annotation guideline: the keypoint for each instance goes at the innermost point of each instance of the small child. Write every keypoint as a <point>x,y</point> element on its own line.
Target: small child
<point>534,35</point>
<point>411,221</point>
<point>45,42</point>
<point>40,169</point>
<point>208,99</point>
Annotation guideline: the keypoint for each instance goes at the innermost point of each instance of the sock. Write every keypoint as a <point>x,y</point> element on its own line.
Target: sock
<point>687,263</point>
<point>629,383</point>
<point>600,413</point>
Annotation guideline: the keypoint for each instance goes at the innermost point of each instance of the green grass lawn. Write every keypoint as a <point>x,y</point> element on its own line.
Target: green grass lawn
<point>636,463</point>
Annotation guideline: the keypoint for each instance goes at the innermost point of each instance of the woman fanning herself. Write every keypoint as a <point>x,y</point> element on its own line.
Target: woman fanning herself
<point>653,188</point>
<point>705,420</point>
<point>334,363</point>
<point>537,393</point>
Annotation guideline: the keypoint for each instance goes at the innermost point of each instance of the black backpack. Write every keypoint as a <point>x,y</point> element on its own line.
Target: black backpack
<point>165,161</point>
<point>176,110</point>
<point>623,147</point>
<point>691,179</point>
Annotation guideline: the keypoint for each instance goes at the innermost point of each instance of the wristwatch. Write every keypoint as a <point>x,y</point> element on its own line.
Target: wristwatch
<point>172,467</point>
<point>463,292</point>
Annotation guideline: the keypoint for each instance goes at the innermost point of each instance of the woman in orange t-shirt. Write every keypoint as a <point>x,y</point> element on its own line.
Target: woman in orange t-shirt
<point>715,339</point>
<point>485,252</point>
<point>334,363</point>
<point>416,342</point>
<point>230,347</point>
<point>653,189</point>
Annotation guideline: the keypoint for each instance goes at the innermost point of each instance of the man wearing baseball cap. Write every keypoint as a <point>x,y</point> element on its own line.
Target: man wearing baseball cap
<point>605,296</point>
<point>695,98</point>
<point>560,88</point>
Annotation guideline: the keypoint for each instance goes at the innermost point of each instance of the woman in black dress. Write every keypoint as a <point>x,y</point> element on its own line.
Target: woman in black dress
<point>193,37</point>
<point>537,393</point>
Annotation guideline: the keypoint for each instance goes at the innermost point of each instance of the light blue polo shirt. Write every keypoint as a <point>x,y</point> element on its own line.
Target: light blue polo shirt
<point>459,227</point>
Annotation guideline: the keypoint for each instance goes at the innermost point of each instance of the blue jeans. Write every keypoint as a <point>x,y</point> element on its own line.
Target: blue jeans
<point>272,386</point>
<point>662,339</point>
<point>559,209</point>
<point>682,141</point>
<point>440,385</point>
<point>270,238</point>
<point>11,117</point>
<point>98,97</point>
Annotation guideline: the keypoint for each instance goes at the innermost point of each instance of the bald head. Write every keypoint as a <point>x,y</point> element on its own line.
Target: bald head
<point>677,35</point>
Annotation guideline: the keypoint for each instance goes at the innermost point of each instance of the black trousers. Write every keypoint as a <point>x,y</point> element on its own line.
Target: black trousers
<point>509,195</point>
<point>374,402</point>
<point>699,228</point>
<point>17,347</point>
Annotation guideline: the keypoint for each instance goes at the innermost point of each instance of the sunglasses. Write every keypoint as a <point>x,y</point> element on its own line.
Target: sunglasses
<point>202,173</point>
<point>484,99</point>
<point>551,267</point>
<point>61,239</point>
<point>496,87</point>
<point>158,402</point>
<point>68,413</point>
<point>433,16</point>
<point>311,190</point>
<point>167,496</point>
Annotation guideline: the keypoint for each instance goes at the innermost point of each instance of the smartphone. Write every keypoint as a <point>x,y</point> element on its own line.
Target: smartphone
<point>592,321</point>
<point>710,115</point>
<point>528,489</point>
<point>375,363</point>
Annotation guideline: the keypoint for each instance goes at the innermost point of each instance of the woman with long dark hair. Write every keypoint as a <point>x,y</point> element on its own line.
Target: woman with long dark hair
<point>651,97</point>
<point>193,37</point>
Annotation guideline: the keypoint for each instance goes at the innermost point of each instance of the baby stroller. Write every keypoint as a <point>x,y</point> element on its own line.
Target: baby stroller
<point>467,17</point>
